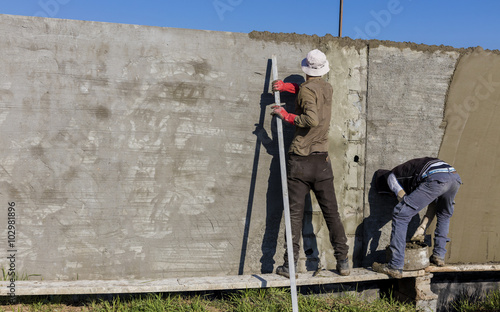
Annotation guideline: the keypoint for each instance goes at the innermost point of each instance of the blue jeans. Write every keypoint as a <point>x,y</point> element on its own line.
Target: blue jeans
<point>439,187</point>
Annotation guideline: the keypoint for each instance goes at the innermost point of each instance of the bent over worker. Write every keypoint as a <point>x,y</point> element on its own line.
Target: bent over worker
<point>418,183</point>
<point>308,164</point>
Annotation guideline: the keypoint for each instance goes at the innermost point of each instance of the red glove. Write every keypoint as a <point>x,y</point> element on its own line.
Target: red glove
<point>283,114</point>
<point>279,85</point>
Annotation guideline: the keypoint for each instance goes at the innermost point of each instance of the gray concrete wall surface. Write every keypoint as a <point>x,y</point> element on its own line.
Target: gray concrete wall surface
<point>150,152</point>
<point>407,91</point>
<point>145,152</point>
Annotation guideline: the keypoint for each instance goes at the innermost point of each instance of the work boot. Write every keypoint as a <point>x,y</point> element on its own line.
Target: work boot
<point>386,269</point>
<point>434,260</point>
<point>343,267</point>
<point>284,270</point>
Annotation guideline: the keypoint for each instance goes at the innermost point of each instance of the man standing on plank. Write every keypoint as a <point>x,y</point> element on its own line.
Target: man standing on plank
<point>308,165</point>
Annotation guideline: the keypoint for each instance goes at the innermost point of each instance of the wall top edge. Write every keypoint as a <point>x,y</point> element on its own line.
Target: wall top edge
<point>322,42</point>
<point>359,43</point>
<point>53,20</point>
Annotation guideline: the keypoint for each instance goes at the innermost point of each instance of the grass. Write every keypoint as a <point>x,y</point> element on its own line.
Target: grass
<point>261,300</point>
<point>258,300</point>
<point>475,302</point>
<point>16,276</point>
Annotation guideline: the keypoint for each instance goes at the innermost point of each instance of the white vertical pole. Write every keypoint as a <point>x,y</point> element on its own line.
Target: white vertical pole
<point>288,226</point>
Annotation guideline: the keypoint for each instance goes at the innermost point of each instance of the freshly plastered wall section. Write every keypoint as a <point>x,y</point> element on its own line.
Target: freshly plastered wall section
<point>472,144</point>
<point>406,97</point>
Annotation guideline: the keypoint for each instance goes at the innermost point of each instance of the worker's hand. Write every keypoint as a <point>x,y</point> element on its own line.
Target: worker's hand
<point>279,111</point>
<point>419,235</point>
<point>279,85</point>
<point>400,195</point>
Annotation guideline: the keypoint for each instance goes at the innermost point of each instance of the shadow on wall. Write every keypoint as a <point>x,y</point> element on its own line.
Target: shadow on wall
<point>376,230</point>
<point>266,98</point>
<point>274,198</point>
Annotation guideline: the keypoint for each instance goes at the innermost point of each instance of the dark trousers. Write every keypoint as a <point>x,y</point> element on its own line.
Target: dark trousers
<point>314,172</point>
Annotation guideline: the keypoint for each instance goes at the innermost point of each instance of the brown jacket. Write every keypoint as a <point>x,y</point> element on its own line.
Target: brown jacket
<point>313,108</point>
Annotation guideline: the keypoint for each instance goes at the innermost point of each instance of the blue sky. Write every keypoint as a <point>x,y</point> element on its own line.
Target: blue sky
<point>456,23</point>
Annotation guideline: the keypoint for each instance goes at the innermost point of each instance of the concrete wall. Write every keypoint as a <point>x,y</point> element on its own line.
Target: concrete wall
<point>456,287</point>
<point>440,102</point>
<point>406,96</point>
<point>145,152</point>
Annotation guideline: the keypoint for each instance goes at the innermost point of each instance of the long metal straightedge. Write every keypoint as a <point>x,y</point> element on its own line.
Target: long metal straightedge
<point>284,186</point>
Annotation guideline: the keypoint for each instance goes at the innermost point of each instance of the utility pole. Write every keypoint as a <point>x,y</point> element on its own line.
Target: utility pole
<point>340,17</point>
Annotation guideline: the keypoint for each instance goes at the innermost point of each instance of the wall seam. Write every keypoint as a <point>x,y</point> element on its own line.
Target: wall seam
<point>365,203</point>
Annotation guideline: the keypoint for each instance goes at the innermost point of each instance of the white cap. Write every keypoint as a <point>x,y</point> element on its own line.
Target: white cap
<point>315,64</point>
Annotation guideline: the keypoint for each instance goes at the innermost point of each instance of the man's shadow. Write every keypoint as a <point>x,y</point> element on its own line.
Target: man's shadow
<point>375,230</point>
<point>274,194</point>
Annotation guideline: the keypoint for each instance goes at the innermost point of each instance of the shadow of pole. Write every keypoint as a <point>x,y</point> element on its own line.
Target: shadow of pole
<point>266,99</point>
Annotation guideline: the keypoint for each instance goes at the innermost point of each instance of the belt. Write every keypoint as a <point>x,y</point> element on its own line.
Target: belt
<point>428,173</point>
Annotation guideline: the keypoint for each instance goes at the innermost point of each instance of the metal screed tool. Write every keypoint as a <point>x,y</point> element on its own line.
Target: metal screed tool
<point>286,207</point>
